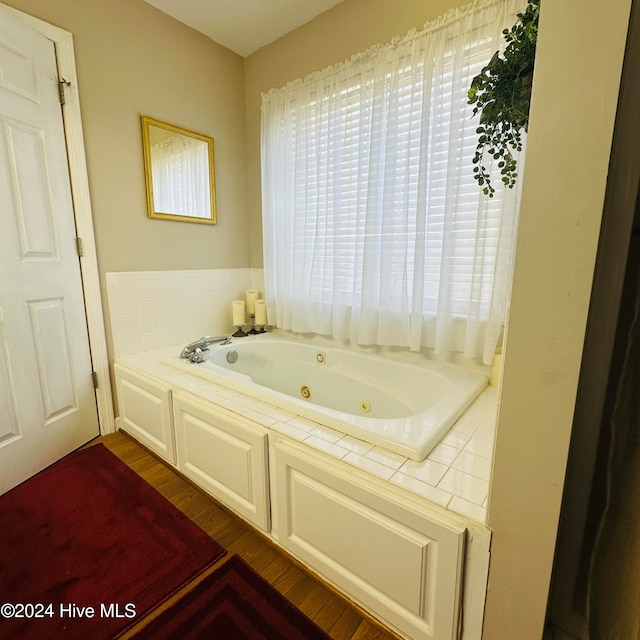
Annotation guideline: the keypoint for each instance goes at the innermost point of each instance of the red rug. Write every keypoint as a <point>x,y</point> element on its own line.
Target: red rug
<point>87,548</point>
<point>233,603</point>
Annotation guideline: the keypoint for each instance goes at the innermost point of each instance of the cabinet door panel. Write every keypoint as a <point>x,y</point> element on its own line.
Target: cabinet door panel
<point>400,563</point>
<point>383,550</point>
<point>226,455</point>
<point>145,411</point>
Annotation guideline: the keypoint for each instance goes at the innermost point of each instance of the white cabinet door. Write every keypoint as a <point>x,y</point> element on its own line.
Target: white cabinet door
<point>145,411</point>
<point>225,454</point>
<point>388,553</point>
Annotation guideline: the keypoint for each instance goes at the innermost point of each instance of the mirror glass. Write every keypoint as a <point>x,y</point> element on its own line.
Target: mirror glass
<point>179,173</point>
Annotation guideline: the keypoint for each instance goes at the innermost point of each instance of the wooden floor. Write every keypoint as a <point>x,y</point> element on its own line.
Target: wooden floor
<point>340,618</point>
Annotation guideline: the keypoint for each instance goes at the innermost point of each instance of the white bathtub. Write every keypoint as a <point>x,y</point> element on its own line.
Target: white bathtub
<point>404,407</point>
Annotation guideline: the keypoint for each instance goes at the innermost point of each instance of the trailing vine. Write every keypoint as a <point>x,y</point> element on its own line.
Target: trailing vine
<point>501,94</point>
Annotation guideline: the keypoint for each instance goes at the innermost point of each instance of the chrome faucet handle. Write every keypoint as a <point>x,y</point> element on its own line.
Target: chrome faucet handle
<point>196,356</point>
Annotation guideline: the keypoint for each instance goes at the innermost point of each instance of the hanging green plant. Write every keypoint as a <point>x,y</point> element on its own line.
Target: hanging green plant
<point>501,94</point>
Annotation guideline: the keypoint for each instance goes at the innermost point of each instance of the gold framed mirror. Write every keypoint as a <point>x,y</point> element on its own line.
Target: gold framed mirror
<point>179,173</point>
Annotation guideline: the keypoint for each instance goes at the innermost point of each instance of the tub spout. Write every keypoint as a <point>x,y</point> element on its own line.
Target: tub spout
<point>193,351</point>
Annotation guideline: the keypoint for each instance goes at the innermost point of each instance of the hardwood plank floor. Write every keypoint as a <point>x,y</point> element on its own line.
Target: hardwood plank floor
<point>331,611</point>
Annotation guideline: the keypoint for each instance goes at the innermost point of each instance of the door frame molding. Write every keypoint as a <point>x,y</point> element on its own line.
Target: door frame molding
<point>63,42</point>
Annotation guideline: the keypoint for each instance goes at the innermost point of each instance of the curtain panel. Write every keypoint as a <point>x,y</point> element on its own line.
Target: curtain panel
<point>374,229</point>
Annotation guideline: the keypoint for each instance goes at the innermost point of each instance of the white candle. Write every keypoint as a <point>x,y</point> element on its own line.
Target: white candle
<point>251,297</point>
<point>261,312</point>
<point>237,307</point>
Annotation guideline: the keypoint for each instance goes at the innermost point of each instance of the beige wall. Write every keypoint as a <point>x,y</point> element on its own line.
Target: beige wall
<point>133,59</point>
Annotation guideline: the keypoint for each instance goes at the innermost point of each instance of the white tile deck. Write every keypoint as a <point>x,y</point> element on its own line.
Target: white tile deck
<point>456,474</point>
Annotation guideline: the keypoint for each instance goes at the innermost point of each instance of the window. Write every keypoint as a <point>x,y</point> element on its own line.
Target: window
<point>374,229</point>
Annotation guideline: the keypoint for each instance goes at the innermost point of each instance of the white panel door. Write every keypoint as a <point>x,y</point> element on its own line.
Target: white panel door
<point>47,400</point>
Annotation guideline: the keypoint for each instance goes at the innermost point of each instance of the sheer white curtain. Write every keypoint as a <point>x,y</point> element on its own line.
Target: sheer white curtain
<point>180,173</point>
<point>374,228</point>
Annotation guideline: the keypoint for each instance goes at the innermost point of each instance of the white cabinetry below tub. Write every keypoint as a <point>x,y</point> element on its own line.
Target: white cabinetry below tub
<point>389,553</point>
<point>397,554</point>
<point>145,411</point>
<point>224,454</point>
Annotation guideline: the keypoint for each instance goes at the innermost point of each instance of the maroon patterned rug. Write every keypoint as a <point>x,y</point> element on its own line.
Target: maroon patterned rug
<point>88,548</point>
<point>233,603</point>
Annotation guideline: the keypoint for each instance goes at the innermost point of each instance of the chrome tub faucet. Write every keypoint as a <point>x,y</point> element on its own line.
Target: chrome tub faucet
<point>194,350</point>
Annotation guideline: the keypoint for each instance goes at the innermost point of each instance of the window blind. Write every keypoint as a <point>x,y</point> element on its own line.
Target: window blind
<point>374,228</point>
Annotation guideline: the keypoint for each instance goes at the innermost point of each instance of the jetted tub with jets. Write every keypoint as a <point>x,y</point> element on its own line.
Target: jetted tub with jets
<point>402,406</point>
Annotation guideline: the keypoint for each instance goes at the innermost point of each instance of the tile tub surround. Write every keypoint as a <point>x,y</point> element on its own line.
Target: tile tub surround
<point>153,309</point>
<point>455,475</point>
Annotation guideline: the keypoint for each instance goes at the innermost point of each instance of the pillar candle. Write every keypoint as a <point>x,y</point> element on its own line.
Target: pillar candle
<point>251,297</point>
<point>261,312</point>
<point>237,307</point>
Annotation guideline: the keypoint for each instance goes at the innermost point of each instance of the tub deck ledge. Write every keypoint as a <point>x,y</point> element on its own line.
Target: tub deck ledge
<point>456,474</point>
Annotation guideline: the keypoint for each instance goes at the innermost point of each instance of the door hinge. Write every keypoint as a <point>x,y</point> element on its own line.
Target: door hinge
<point>94,376</point>
<point>79,248</point>
<point>61,85</point>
